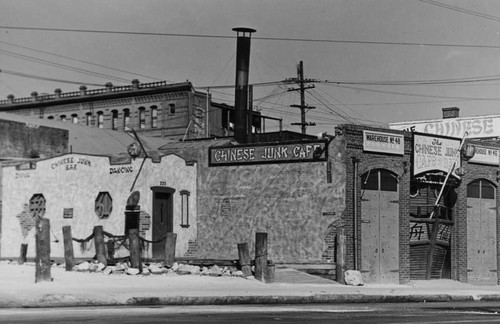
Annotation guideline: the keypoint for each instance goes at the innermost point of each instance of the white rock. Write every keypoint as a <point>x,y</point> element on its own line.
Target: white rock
<point>100,267</point>
<point>108,270</point>
<point>353,278</point>
<point>238,273</point>
<point>175,266</point>
<point>187,268</point>
<point>121,266</point>
<point>84,266</point>
<point>156,269</point>
<point>132,271</point>
<point>215,271</point>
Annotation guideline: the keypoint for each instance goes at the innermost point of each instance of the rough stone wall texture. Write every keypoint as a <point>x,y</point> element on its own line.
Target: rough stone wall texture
<point>21,140</point>
<point>292,202</point>
<point>74,181</point>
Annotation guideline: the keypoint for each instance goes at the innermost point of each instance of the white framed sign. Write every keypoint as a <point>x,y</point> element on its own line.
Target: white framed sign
<point>383,142</point>
<point>486,155</point>
<point>435,153</point>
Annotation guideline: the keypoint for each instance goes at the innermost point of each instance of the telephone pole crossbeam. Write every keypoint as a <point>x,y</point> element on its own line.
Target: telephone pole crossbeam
<point>302,89</point>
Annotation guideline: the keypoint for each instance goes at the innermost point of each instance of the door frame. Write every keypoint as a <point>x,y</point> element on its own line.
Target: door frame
<point>157,248</point>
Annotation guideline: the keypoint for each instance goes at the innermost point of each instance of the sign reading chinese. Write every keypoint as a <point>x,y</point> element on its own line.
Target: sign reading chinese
<point>486,155</point>
<point>477,127</point>
<point>383,142</point>
<point>435,153</point>
<point>271,153</point>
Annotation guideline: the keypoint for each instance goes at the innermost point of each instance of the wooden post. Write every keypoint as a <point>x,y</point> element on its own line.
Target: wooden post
<point>135,249</point>
<point>69,255</point>
<point>22,254</point>
<point>42,260</point>
<point>340,265</point>
<point>269,274</point>
<point>100,246</point>
<point>432,248</point>
<point>245,261</point>
<point>260,256</point>
<point>110,246</point>
<point>170,242</point>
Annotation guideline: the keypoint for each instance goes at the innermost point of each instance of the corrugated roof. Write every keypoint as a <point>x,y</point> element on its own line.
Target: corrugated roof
<point>89,140</point>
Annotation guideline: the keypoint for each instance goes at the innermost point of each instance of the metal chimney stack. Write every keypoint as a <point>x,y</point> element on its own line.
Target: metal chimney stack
<point>241,85</point>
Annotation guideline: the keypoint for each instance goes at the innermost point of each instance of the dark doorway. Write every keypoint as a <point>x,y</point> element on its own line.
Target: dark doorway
<point>163,218</point>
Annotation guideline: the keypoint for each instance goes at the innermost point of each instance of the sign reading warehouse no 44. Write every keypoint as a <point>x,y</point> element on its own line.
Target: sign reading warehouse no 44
<point>271,153</point>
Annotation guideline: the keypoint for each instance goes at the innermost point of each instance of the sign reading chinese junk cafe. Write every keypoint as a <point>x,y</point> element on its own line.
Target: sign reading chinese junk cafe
<point>435,153</point>
<point>383,142</point>
<point>268,153</point>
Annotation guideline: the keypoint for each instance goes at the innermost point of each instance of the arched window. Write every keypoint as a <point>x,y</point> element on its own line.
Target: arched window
<point>100,119</point>
<point>172,108</point>
<point>74,119</point>
<point>88,119</point>
<point>154,116</point>
<point>114,119</point>
<point>126,119</point>
<point>142,117</point>
<point>62,117</point>
<point>481,189</point>
<point>50,117</point>
<point>379,180</point>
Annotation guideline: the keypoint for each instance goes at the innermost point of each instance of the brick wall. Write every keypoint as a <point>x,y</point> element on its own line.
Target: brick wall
<point>367,161</point>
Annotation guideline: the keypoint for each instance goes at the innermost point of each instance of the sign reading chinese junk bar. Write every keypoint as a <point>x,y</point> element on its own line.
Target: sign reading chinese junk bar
<point>435,153</point>
<point>486,155</point>
<point>383,142</point>
<point>271,153</point>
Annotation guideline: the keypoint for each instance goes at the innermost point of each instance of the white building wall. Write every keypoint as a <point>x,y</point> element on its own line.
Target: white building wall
<point>74,181</point>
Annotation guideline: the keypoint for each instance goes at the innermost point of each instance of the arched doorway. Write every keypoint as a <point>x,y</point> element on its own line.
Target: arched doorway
<point>380,227</point>
<point>481,232</point>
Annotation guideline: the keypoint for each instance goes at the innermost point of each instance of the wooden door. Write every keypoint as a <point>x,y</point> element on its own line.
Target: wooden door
<point>163,221</point>
<point>481,232</point>
<point>380,227</point>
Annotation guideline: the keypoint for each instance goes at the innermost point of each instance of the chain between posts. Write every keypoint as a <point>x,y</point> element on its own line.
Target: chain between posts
<point>119,238</point>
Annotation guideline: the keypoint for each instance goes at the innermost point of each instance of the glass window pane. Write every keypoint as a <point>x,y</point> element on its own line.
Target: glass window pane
<point>369,180</point>
<point>487,190</point>
<point>388,181</point>
<point>473,189</point>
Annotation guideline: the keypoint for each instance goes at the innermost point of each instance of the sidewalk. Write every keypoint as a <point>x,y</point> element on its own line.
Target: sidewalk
<point>18,289</point>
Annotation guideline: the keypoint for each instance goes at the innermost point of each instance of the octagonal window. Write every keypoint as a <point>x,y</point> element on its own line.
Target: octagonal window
<point>103,204</point>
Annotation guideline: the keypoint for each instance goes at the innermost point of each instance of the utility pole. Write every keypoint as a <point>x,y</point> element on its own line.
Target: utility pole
<point>302,89</point>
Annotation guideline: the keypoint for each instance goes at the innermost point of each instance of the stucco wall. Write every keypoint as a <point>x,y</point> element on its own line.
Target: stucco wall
<point>74,181</point>
<point>292,202</point>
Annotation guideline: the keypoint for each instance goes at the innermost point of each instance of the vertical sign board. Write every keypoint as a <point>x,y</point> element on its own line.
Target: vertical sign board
<point>486,155</point>
<point>383,142</point>
<point>435,153</point>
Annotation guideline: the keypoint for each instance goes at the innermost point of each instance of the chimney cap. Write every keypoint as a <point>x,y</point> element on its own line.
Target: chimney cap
<point>244,29</point>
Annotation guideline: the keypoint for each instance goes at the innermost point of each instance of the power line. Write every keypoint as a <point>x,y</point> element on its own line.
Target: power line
<point>419,82</point>
<point>60,65</point>
<point>312,40</point>
<point>467,11</point>
<point>24,75</point>
<point>78,60</point>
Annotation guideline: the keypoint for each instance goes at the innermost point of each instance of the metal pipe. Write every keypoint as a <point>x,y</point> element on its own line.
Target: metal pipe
<point>355,161</point>
<point>241,84</point>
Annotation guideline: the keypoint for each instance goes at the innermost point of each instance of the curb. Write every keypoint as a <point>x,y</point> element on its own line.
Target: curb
<point>63,300</point>
<point>314,299</point>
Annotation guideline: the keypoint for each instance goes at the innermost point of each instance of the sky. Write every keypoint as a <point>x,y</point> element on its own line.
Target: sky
<point>373,62</point>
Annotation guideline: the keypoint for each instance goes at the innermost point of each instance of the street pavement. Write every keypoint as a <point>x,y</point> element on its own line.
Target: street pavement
<point>71,288</point>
